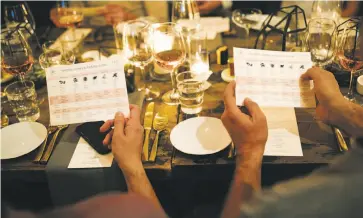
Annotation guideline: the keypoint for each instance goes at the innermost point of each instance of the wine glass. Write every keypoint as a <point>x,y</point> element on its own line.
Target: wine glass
<point>321,40</point>
<point>349,54</point>
<point>19,14</point>
<point>168,50</point>
<point>136,37</point>
<point>67,16</point>
<point>16,54</point>
<point>184,9</point>
<point>185,13</point>
<point>326,9</point>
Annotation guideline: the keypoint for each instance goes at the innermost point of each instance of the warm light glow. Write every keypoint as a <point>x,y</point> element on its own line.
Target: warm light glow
<point>162,42</point>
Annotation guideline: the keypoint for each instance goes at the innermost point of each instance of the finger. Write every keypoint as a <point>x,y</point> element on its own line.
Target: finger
<point>119,123</point>
<point>108,138</point>
<point>134,115</point>
<point>253,108</point>
<point>230,99</point>
<point>107,125</point>
<point>310,74</point>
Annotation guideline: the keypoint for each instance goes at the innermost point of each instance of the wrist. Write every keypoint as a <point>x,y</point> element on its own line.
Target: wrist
<point>132,169</point>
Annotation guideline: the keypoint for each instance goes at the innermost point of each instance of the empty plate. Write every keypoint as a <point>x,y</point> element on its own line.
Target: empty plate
<point>200,136</point>
<point>21,138</point>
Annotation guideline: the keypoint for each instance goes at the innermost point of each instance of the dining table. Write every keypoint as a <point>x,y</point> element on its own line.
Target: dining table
<point>180,180</point>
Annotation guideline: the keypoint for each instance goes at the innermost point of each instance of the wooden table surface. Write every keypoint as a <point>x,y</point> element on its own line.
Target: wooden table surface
<point>318,142</point>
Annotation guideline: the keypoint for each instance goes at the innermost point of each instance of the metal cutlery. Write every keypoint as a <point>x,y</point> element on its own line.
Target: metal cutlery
<point>160,124</point>
<point>232,151</point>
<point>50,148</point>
<point>148,122</point>
<point>50,130</point>
<point>340,139</point>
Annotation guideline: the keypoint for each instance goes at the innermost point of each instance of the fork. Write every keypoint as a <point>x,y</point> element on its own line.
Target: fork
<point>50,130</point>
<point>160,124</point>
<point>50,148</point>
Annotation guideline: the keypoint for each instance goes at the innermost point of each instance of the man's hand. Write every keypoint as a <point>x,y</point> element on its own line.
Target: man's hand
<point>327,92</point>
<point>207,6</point>
<point>127,137</point>
<point>248,132</point>
<point>115,13</point>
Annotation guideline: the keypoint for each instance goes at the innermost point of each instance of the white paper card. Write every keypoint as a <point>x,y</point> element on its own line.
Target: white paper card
<point>85,156</point>
<point>272,78</point>
<point>281,142</point>
<point>210,25</point>
<point>87,92</point>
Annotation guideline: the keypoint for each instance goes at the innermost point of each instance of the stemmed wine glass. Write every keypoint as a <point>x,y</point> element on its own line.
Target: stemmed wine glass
<point>67,16</point>
<point>168,50</point>
<point>349,54</point>
<point>16,54</point>
<point>321,40</point>
<point>19,14</point>
<point>326,9</point>
<point>136,38</point>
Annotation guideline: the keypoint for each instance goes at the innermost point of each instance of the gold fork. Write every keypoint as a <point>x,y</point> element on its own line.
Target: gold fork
<point>160,124</point>
<point>50,148</point>
<point>51,129</point>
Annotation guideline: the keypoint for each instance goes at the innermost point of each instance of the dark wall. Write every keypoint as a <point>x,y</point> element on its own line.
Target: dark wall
<point>267,7</point>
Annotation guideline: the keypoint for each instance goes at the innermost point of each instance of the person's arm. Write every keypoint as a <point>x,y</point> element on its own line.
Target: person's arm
<point>126,145</point>
<point>332,107</point>
<point>249,134</point>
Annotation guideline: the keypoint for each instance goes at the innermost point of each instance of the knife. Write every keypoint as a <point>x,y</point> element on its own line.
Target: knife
<point>148,123</point>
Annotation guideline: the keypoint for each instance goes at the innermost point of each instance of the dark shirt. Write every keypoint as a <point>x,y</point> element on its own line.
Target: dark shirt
<point>333,191</point>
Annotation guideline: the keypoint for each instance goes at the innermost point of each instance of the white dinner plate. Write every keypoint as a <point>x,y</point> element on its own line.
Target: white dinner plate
<point>200,136</point>
<point>21,138</point>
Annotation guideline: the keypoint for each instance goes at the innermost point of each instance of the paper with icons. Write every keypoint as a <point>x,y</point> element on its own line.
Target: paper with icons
<point>272,78</point>
<point>87,92</point>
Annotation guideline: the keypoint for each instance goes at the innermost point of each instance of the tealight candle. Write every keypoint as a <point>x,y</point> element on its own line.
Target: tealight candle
<point>199,67</point>
<point>360,85</point>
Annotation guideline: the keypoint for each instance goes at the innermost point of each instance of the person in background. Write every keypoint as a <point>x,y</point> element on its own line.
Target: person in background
<point>213,7</point>
<point>101,13</point>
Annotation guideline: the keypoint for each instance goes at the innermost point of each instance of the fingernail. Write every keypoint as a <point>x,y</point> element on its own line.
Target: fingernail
<point>119,113</point>
<point>248,99</point>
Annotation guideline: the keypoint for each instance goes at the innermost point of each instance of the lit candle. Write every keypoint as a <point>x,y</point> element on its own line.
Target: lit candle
<point>161,42</point>
<point>199,67</point>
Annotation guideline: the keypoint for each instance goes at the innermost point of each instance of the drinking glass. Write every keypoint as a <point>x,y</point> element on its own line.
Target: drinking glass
<point>198,53</point>
<point>168,50</point>
<point>184,9</point>
<point>321,40</point>
<point>243,19</point>
<point>67,16</point>
<point>19,14</point>
<point>191,92</point>
<point>16,54</point>
<point>326,9</point>
<point>23,100</point>
<point>137,49</point>
<point>349,54</point>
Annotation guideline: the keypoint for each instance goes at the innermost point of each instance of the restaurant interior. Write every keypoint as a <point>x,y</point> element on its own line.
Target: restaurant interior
<point>67,67</point>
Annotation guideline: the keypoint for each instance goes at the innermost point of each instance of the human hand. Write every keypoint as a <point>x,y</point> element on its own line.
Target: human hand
<point>328,94</point>
<point>127,137</point>
<point>248,132</point>
<point>207,6</point>
<point>115,13</point>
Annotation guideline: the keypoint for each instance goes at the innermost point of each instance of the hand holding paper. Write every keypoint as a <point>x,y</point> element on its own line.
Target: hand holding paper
<point>86,92</point>
<point>272,78</point>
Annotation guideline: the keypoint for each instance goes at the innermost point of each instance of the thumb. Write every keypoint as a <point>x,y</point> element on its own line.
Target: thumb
<point>253,108</point>
<point>119,123</point>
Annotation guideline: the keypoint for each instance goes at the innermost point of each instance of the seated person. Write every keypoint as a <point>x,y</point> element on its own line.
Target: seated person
<point>100,13</point>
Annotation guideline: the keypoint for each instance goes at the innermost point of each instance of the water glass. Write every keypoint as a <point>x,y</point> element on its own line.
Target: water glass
<point>321,40</point>
<point>243,19</point>
<point>23,100</point>
<point>191,92</point>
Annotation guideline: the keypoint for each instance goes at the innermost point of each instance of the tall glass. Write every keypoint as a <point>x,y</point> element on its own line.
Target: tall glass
<point>349,54</point>
<point>191,91</point>
<point>16,54</point>
<point>23,99</point>
<point>327,9</point>
<point>168,50</point>
<point>321,40</point>
<point>137,48</point>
